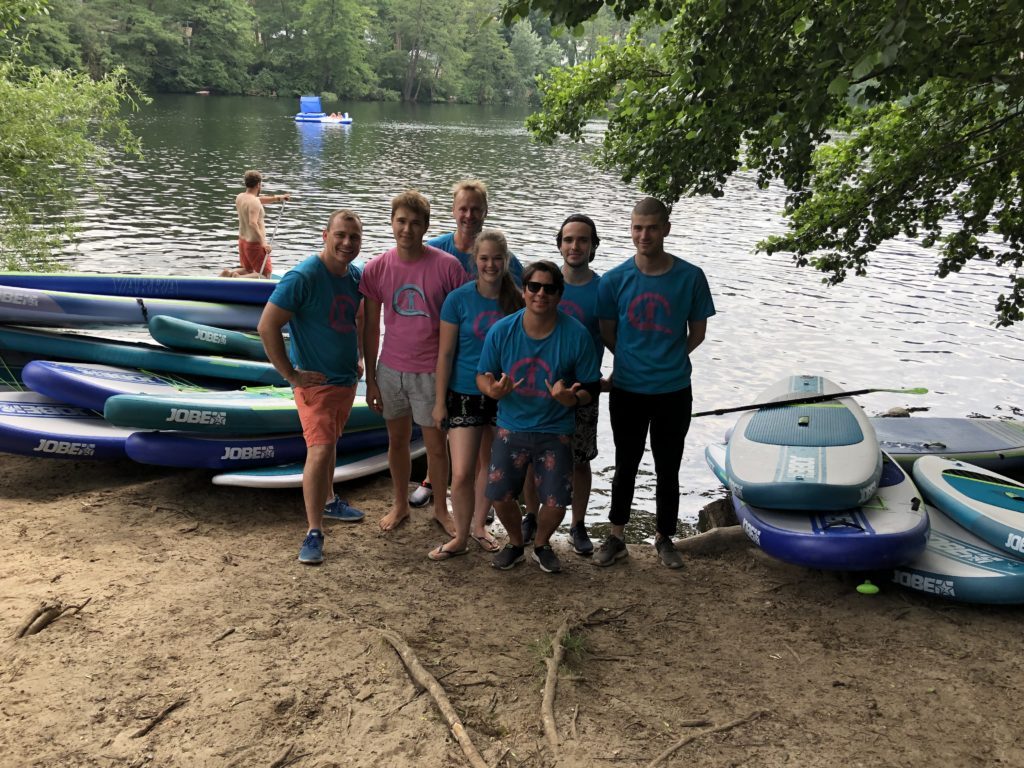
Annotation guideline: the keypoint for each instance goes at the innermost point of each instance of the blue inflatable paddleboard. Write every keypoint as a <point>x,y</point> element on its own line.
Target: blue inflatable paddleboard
<point>89,385</point>
<point>184,449</point>
<point>34,425</point>
<point>227,289</point>
<point>889,529</point>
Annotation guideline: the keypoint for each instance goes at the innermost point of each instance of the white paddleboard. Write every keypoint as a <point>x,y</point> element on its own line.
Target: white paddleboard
<point>348,467</point>
<point>817,457</point>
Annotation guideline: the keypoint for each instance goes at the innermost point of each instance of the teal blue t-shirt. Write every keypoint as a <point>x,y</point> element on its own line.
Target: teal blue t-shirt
<point>580,301</point>
<point>567,353</point>
<point>447,244</point>
<point>652,313</point>
<point>474,315</point>
<point>323,324</point>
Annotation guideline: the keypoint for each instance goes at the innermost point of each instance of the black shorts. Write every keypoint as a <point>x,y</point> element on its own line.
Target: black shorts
<point>470,411</point>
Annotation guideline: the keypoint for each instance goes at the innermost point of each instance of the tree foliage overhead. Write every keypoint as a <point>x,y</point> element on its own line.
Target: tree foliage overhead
<point>57,127</point>
<point>413,50</point>
<point>883,118</point>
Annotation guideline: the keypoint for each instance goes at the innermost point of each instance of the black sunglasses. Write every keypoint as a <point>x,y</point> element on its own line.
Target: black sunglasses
<point>534,287</point>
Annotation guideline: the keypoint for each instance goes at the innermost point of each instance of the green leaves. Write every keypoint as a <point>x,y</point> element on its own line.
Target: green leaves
<point>883,120</point>
<point>55,131</point>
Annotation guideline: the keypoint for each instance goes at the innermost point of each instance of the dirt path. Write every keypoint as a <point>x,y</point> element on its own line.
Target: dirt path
<point>197,600</point>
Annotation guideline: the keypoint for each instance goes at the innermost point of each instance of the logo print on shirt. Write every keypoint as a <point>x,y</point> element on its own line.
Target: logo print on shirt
<point>534,372</point>
<point>407,298</point>
<point>572,309</point>
<point>483,322</point>
<point>343,314</point>
<point>647,309</point>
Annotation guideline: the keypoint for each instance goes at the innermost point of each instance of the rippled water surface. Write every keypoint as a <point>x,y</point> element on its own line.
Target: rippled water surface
<point>172,212</point>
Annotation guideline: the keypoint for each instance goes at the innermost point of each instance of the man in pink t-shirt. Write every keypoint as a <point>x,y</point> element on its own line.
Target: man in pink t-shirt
<point>409,282</point>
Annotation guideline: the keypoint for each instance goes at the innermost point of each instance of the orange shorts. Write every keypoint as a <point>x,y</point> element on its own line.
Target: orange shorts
<point>323,412</point>
<point>250,256</point>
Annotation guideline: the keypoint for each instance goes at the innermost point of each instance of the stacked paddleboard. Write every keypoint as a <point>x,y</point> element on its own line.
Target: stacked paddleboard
<point>206,397</point>
<point>810,485</point>
<point>976,550</point>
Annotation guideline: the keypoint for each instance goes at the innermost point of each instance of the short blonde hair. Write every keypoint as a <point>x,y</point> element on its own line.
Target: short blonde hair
<point>470,185</point>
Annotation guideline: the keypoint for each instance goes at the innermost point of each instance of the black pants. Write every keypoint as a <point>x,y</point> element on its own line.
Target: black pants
<point>668,418</point>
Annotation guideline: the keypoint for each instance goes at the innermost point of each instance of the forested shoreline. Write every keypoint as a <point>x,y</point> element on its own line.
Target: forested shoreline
<point>408,50</point>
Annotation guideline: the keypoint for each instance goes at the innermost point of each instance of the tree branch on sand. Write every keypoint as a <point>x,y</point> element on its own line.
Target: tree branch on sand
<point>425,680</point>
<point>44,615</point>
<point>717,729</point>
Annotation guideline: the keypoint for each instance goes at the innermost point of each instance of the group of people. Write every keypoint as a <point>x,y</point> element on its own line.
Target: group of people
<point>499,365</point>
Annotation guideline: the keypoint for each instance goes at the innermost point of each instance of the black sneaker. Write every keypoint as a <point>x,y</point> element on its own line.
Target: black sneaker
<point>667,553</point>
<point>581,543</point>
<point>547,559</point>
<point>613,548</point>
<point>508,557</point>
<point>489,517</point>
<point>529,528</point>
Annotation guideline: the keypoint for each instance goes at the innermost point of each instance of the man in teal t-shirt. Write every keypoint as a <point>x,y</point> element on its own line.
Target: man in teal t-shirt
<point>540,365</point>
<point>320,302</point>
<point>653,310</point>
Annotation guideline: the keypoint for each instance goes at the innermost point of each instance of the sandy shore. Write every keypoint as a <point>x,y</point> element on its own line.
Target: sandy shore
<point>205,643</point>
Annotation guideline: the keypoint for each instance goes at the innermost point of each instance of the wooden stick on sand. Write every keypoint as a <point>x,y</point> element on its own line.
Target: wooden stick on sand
<point>424,679</point>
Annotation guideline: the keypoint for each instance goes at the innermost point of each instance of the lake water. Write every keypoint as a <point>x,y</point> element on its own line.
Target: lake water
<point>172,212</point>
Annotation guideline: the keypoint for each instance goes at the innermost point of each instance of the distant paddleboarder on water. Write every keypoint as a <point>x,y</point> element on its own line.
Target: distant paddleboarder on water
<point>253,246</point>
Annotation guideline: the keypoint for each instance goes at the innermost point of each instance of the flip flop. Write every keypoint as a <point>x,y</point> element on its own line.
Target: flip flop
<point>487,543</point>
<point>439,554</point>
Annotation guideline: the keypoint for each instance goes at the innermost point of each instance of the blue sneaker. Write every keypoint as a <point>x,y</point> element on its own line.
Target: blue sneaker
<point>337,509</point>
<point>312,552</point>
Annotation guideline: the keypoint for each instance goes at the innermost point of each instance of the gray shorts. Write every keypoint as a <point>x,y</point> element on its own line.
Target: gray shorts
<point>407,393</point>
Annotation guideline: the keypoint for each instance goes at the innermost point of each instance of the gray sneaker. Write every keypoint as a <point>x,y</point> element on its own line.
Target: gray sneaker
<point>529,528</point>
<point>547,559</point>
<point>508,557</point>
<point>613,548</point>
<point>581,543</point>
<point>668,554</point>
<point>421,495</point>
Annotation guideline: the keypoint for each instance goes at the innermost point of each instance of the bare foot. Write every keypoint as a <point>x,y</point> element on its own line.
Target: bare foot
<point>393,519</point>
<point>444,519</point>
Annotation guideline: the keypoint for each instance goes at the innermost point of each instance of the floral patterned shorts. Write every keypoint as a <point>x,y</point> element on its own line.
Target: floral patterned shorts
<point>512,453</point>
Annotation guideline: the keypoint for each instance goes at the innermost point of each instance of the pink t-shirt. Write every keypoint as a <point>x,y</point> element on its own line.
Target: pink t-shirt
<point>411,295</point>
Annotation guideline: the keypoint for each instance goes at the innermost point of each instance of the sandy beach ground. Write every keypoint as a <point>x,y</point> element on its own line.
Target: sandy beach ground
<point>205,643</point>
